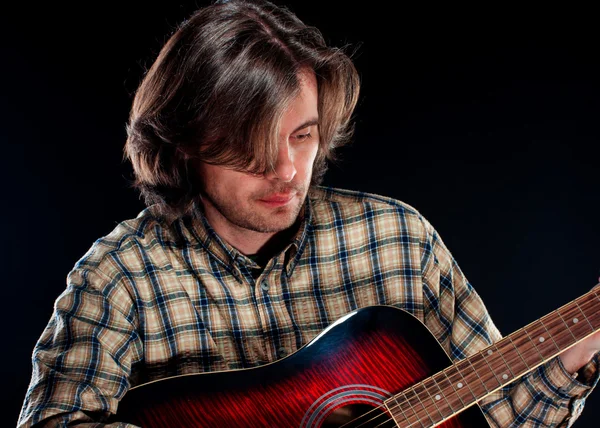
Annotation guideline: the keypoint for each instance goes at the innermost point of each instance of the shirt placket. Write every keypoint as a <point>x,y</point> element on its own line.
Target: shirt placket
<point>274,316</point>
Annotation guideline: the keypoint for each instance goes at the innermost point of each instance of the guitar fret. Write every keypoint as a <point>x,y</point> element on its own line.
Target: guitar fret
<point>535,346</point>
<point>547,348</point>
<point>487,378</point>
<point>415,423</point>
<point>558,348</point>
<point>431,397</point>
<point>459,386</point>
<point>423,393</point>
<point>397,417</point>
<point>406,401</point>
<point>588,314</point>
<point>568,327</point>
<point>595,298</point>
<point>556,328</point>
<point>470,379</point>
<point>404,417</point>
<point>480,381</point>
<point>489,356</point>
<point>437,395</point>
<point>539,344</point>
<point>448,392</point>
<point>457,390</point>
<point>455,376</point>
<point>505,366</point>
<point>520,365</point>
<point>577,321</point>
<point>418,405</point>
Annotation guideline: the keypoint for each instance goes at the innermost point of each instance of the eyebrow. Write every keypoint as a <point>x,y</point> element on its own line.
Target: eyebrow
<point>306,124</point>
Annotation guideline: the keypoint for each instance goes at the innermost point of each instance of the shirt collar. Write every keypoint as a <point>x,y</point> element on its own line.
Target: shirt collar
<point>231,258</point>
<point>296,248</point>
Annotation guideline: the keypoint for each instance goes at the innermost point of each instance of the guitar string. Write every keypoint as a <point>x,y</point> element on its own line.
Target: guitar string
<point>387,418</point>
<point>393,422</point>
<point>468,382</point>
<point>386,411</point>
<point>534,350</point>
<point>524,329</point>
<point>378,415</point>
<point>469,378</point>
<point>574,304</point>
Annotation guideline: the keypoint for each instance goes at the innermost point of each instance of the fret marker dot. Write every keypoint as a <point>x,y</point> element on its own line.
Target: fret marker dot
<point>459,384</point>
<point>505,376</point>
<point>490,352</point>
<point>575,320</point>
<point>438,397</point>
<point>542,339</point>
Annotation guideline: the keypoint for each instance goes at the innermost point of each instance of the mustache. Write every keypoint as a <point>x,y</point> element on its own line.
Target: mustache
<point>282,188</point>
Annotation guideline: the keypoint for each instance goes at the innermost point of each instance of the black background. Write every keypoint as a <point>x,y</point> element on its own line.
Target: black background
<point>484,120</point>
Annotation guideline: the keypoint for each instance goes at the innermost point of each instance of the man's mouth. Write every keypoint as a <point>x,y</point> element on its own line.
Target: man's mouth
<point>277,199</point>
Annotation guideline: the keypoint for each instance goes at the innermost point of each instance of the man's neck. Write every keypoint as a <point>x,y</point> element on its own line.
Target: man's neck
<point>250,242</point>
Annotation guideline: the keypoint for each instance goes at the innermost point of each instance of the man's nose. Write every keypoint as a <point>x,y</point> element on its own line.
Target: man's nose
<point>284,168</point>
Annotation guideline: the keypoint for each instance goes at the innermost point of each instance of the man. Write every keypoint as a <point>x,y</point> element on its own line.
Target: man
<point>241,258</point>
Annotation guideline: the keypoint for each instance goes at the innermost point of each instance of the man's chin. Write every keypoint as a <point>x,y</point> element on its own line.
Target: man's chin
<point>277,220</point>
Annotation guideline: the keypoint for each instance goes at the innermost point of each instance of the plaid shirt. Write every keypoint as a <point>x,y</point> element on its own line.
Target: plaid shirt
<point>156,299</point>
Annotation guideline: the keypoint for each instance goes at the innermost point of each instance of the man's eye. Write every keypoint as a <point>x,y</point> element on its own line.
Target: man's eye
<point>302,137</point>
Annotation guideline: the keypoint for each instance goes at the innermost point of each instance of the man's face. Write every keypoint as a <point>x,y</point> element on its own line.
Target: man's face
<point>237,201</point>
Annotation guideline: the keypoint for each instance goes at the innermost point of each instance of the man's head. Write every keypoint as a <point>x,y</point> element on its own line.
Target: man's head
<point>217,98</point>
<point>268,202</point>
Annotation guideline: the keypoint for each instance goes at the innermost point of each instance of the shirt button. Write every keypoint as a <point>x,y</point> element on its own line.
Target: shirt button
<point>264,286</point>
<point>281,352</point>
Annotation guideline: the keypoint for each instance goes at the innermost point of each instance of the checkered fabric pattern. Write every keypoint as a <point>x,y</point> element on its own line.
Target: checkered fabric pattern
<point>155,299</point>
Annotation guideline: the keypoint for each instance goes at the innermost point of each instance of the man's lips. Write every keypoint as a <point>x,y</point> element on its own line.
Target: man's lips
<point>277,199</point>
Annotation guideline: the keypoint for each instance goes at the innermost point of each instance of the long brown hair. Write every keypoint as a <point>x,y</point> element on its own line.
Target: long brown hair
<point>217,91</point>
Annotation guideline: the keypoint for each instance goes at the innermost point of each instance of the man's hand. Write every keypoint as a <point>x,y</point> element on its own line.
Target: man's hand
<point>579,355</point>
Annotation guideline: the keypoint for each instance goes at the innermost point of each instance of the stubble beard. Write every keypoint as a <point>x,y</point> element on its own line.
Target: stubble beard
<point>260,220</point>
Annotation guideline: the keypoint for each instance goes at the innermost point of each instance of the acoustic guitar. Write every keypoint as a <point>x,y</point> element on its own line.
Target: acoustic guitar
<point>375,367</point>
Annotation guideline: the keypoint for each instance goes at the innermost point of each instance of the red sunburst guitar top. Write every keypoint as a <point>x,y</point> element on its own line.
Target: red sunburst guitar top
<point>375,367</point>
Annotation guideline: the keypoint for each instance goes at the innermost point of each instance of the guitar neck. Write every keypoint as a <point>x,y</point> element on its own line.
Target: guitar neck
<point>463,384</point>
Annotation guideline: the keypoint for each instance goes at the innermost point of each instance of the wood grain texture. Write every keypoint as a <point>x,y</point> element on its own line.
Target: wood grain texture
<point>360,361</point>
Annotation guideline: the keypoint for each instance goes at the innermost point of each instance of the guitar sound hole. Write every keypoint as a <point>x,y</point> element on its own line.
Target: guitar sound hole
<point>348,415</point>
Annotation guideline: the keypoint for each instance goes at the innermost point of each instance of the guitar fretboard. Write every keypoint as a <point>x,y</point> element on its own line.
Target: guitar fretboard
<point>463,384</point>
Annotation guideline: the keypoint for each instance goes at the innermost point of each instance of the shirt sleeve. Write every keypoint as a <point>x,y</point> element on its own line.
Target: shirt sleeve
<point>548,396</point>
<point>82,361</point>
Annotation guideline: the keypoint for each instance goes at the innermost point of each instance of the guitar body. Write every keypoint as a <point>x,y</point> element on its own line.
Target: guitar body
<point>348,370</point>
